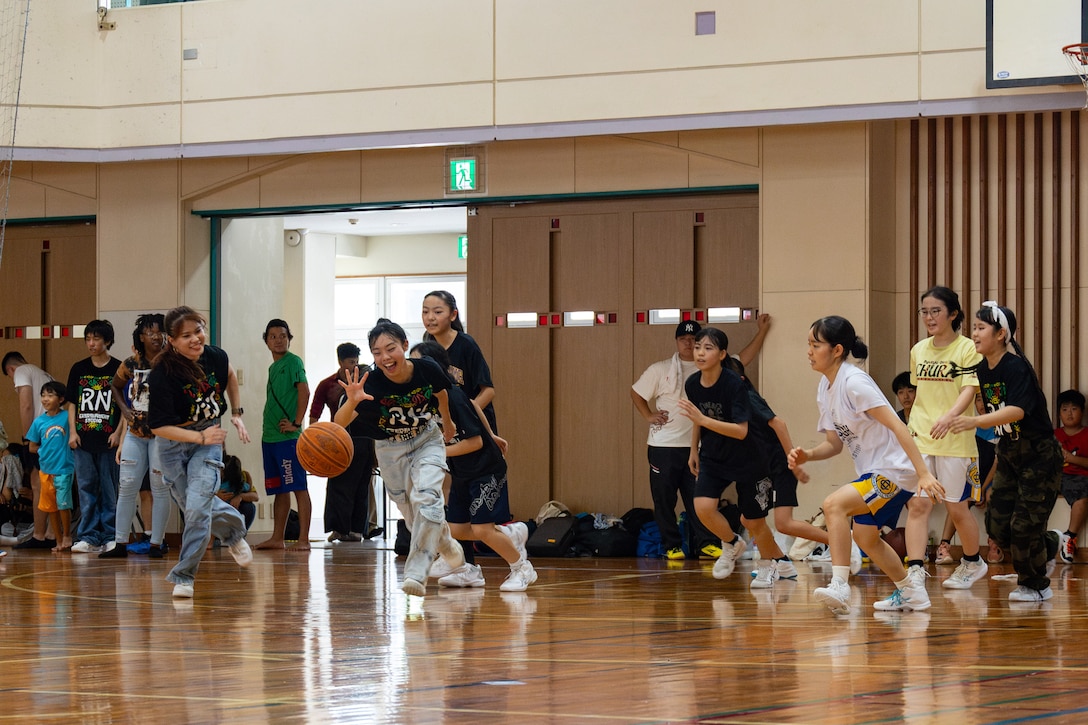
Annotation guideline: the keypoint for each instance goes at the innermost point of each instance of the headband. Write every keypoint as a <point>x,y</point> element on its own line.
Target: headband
<point>999,317</point>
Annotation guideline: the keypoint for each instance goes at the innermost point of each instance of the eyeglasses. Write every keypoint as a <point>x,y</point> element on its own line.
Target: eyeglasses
<point>934,312</point>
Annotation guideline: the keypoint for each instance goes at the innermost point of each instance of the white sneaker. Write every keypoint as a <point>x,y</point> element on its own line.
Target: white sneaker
<point>917,576</point>
<point>519,534</point>
<point>466,575</point>
<point>439,569</point>
<point>821,553</point>
<point>241,552</point>
<point>1027,594</point>
<point>110,546</point>
<point>82,547</point>
<point>413,588</point>
<point>911,597</point>
<point>183,591</point>
<point>766,575</point>
<point>723,567</point>
<point>835,595</point>
<point>1067,548</point>
<point>786,569</point>
<point>855,558</point>
<point>966,574</point>
<point>519,578</point>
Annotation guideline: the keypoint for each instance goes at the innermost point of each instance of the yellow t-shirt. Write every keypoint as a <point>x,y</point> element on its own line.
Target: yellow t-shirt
<point>941,373</point>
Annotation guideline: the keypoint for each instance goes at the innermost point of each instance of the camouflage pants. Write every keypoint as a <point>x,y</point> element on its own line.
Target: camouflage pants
<point>1026,485</point>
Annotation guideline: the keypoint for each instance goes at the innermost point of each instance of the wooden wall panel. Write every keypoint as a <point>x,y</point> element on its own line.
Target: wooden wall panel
<point>21,281</point>
<point>522,264</point>
<point>727,259</point>
<point>664,259</point>
<point>589,259</point>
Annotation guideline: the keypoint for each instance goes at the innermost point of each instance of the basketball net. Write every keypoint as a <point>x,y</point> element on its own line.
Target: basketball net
<point>1077,57</point>
<point>14,18</point>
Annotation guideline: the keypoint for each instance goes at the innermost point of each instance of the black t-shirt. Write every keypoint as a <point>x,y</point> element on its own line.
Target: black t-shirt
<point>486,461</point>
<point>190,405</point>
<point>97,414</point>
<point>470,372</point>
<point>1012,382</point>
<point>726,400</point>
<point>763,435</point>
<point>400,411</point>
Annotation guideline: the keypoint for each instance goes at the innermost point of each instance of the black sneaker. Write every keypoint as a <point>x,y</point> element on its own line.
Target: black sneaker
<point>119,551</point>
<point>158,552</point>
<point>33,543</point>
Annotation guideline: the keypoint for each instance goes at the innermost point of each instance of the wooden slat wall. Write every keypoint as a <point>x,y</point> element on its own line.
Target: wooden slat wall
<point>1000,218</point>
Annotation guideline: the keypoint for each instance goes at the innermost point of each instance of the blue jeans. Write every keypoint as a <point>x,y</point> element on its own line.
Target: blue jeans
<point>192,472</point>
<point>138,456</point>
<point>96,479</point>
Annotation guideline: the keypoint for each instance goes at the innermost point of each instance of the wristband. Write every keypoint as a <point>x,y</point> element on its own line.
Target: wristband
<point>237,411</point>
<point>297,425</point>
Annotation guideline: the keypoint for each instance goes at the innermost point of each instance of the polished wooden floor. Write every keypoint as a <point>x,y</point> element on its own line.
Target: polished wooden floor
<point>327,636</point>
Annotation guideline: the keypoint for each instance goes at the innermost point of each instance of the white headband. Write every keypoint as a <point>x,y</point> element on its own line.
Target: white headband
<point>999,317</point>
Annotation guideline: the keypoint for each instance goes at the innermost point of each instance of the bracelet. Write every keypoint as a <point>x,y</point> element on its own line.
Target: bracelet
<point>235,412</point>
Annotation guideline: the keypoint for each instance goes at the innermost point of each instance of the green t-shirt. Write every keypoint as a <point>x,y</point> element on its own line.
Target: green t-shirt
<point>281,397</point>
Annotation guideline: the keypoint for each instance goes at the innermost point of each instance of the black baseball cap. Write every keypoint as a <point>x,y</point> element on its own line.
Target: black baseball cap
<point>688,327</point>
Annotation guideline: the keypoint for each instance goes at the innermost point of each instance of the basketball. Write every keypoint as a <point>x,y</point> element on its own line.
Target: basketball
<point>325,449</point>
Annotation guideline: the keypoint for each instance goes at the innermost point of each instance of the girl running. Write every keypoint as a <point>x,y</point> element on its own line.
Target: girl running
<point>854,413</point>
<point>722,452</point>
<point>1029,458</point>
<point>396,402</point>
<point>942,368</point>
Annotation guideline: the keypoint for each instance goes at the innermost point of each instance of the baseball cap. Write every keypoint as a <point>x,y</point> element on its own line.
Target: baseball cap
<point>688,327</point>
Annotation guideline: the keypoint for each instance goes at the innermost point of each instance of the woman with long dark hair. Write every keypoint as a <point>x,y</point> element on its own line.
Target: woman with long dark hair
<point>191,383</point>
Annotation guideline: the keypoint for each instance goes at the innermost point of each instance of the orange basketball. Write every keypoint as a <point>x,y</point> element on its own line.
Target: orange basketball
<point>325,449</point>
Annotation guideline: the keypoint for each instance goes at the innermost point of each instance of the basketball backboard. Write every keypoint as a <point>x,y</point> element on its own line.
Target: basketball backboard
<point>1024,41</point>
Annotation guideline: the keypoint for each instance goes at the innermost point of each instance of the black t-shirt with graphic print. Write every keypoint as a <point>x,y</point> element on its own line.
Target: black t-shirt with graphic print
<point>727,400</point>
<point>400,411</point>
<point>190,405</point>
<point>97,414</point>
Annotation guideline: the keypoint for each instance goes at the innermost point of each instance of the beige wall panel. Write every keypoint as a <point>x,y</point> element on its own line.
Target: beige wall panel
<point>404,254</point>
<point>727,258</point>
<point>199,175</point>
<point>193,262</point>
<point>322,179</point>
<point>348,112</point>
<point>882,206</point>
<point>609,163</point>
<point>615,36</point>
<point>78,179</point>
<point>27,199</point>
<point>813,207</point>
<point>61,62</point>
<point>705,172</point>
<point>522,262</point>
<point>521,366</point>
<point>21,278</point>
<point>958,74</point>
<point>58,127</point>
<point>708,90</point>
<point>242,195</point>
<point>341,45</point>
<point>138,222</point>
<point>138,126</point>
<point>590,260</point>
<point>153,38</point>
<point>64,203</point>
<point>592,434</point>
<point>663,257</point>
<point>69,264</point>
<point>739,145</point>
<point>951,24</point>
<point>544,166</point>
<point>399,174</point>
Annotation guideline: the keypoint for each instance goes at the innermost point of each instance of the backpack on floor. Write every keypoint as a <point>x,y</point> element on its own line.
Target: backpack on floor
<point>649,541</point>
<point>553,537</point>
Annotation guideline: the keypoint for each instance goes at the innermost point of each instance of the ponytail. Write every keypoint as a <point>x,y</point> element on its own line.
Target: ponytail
<point>836,330</point>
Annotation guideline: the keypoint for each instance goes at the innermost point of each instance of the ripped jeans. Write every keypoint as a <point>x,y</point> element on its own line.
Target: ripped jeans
<point>138,456</point>
<point>413,472</point>
<point>192,472</point>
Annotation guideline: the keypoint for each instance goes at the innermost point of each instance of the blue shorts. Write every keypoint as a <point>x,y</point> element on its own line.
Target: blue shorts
<point>884,499</point>
<point>282,471</point>
<point>476,501</point>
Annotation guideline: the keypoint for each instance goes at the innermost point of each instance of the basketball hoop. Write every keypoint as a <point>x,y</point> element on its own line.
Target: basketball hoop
<point>1077,57</point>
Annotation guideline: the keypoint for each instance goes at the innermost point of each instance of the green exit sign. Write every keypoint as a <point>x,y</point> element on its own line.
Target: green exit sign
<point>463,174</point>
<point>462,246</point>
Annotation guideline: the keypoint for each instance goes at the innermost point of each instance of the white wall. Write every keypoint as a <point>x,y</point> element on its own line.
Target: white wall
<point>405,254</point>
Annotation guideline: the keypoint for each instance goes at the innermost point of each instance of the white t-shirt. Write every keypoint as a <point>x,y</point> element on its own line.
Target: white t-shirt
<point>874,448</point>
<point>662,385</point>
<point>35,377</point>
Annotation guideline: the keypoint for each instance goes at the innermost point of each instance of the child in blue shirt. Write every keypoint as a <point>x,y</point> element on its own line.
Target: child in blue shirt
<point>48,436</point>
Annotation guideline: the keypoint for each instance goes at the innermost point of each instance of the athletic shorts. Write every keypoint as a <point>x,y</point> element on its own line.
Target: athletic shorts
<point>282,471</point>
<point>955,475</point>
<point>56,493</point>
<point>754,497</point>
<point>1074,488</point>
<point>476,500</point>
<point>884,499</point>
<point>785,489</point>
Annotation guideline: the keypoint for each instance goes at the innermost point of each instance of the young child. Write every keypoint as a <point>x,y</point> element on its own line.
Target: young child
<point>854,414</point>
<point>478,470</point>
<point>722,452</point>
<point>48,436</point>
<point>1073,437</point>
<point>397,403</point>
<point>1029,458</point>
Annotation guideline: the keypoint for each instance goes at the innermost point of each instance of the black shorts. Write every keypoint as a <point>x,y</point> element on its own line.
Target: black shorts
<point>754,496</point>
<point>785,489</point>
